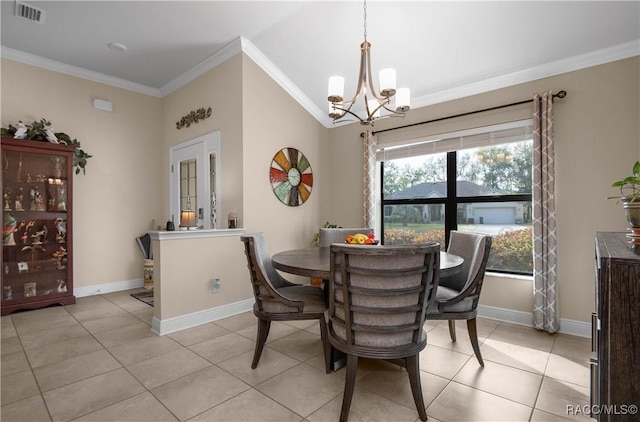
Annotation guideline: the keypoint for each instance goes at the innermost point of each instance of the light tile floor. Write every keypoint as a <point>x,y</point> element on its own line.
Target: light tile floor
<point>97,360</point>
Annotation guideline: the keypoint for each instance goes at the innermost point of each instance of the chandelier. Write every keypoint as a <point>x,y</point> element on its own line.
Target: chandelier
<point>374,101</point>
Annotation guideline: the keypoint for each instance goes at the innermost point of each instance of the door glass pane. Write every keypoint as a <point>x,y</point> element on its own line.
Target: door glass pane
<point>188,183</point>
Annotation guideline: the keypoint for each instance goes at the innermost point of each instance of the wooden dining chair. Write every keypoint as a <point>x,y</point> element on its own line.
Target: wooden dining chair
<point>458,295</point>
<point>276,298</point>
<point>378,296</point>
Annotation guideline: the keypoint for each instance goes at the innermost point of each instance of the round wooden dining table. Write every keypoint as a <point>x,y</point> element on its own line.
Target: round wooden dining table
<point>314,262</point>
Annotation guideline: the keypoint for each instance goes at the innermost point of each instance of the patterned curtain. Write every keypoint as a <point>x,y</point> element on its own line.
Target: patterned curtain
<point>545,304</point>
<point>370,146</point>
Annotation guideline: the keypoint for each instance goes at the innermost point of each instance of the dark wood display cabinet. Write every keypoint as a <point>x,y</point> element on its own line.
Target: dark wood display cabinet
<point>615,363</point>
<point>37,253</point>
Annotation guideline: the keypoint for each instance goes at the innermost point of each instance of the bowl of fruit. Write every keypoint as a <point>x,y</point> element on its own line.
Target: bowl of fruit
<point>361,239</point>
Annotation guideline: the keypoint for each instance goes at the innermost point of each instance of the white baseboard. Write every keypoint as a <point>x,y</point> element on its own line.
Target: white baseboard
<point>99,289</point>
<point>182,322</point>
<point>567,326</point>
<point>171,325</point>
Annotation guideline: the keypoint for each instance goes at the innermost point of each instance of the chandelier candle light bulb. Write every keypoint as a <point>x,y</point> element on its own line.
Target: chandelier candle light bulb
<point>403,100</point>
<point>387,82</point>
<point>336,89</point>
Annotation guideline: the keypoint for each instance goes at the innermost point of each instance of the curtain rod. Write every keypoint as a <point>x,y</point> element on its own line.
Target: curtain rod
<point>560,94</point>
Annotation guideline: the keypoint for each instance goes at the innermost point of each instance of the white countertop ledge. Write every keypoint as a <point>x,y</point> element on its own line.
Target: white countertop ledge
<point>194,234</point>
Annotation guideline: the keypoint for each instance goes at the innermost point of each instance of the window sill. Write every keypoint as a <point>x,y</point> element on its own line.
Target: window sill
<point>510,276</point>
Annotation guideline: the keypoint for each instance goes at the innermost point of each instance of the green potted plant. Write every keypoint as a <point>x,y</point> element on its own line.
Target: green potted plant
<point>630,196</point>
<point>41,131</point>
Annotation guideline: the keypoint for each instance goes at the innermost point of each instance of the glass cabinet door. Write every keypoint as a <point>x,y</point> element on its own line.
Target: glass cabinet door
<point>36,242</point>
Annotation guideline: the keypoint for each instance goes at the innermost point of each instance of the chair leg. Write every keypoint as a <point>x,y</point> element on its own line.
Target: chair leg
<point>263,333</point>
<point>326,344</point>
<point>413,369</point>
<point>349,385</point>
<point>473,336</point>
<point>452,329</point>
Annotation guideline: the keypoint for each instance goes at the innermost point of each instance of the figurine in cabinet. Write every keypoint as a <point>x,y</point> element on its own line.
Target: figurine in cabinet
<point>27,231</point>
<point>33,249</point>
<point>8,230</point>
<point>62,286</point>
<point>29,289</point>
<point>61,226</point>
<point>51,201</point>
<point>62,197</point>
<point>18,201</point>
<point>7,293</point>
<point>32,195</point>
<point>40,236</point>
<point>61,256</point>
<point>7,199</point>
<point>37,202</point>
<point>57,168</point>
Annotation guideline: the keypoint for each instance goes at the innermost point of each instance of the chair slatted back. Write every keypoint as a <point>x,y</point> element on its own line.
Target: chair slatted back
<point>378,296</point>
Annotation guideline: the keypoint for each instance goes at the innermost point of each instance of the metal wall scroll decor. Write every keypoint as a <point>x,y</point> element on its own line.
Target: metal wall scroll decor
<point>291,177</point>
<point>193,117</point>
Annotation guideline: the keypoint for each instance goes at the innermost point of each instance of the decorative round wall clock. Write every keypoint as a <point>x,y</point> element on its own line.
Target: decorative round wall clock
<point>291,177</point>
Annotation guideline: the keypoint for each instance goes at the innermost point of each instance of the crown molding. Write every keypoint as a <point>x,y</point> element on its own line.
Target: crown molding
<point>37,61</point>
<point>281,79</point>
<point>570,64</point>
<point>242,44</point>
<point>211,62</point>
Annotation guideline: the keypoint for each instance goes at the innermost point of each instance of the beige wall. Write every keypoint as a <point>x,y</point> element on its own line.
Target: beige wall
<point>125,191</point>
<point>221,89</point>
<point>272,121</point>
<point>597,132</point>
<point>241,95</point>
<point>188,266</point>
<point>119,198</point>
<point>185,271</point>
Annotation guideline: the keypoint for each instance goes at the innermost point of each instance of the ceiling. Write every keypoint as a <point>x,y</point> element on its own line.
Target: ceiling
<point>440,50</point>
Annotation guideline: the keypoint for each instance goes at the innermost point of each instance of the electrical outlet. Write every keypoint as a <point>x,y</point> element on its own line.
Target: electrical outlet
<point>216,285</point>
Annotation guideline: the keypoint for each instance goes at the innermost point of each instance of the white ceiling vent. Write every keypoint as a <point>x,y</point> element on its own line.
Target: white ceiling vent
<point>34,14</point>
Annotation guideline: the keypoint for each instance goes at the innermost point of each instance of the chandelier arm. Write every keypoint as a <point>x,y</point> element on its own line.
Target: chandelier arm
<point>369,81</point>
<point>364,48</point>
<point>360,119</point>
<point>396,113</point>
<point>364,54</point>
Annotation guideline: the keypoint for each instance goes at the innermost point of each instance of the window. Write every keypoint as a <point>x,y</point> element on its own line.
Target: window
<point>479,181</point>
<point>195,185</point>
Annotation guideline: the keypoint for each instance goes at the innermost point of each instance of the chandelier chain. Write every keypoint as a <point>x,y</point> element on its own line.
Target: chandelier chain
<point>365,19</point>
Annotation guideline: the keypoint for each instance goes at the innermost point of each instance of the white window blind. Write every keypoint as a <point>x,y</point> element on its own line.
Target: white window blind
<point>471,138</point>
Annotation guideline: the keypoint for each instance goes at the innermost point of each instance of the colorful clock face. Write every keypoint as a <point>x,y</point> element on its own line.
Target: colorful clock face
<point>291,177</point>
